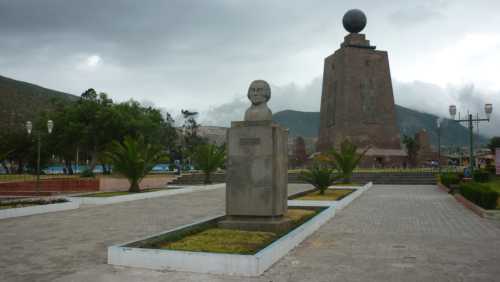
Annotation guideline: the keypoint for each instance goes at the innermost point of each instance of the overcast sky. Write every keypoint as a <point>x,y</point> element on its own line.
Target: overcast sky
<point>202,55</point>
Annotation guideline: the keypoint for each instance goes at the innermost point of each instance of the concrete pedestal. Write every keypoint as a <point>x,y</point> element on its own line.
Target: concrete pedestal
<point>257,176</point>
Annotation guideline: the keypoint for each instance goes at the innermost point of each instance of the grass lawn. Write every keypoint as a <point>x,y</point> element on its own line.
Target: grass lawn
<point>21,204</point>
<point>330,195</point>
<point>220,240</point>
<point>32,177</point>
<point>118,193</point>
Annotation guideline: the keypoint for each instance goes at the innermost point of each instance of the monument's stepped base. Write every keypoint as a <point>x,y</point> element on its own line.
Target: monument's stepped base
<point>401,178</point>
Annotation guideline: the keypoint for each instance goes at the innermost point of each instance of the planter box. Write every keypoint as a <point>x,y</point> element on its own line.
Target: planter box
<point>38,209</point>
<point>141,196</point>
<point>215,263</point>
<point>339,205</point>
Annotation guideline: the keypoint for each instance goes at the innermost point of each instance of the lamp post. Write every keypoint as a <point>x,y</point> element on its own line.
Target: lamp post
<point>29,128</point>
<point>438,125</point>
<point>488,109</point>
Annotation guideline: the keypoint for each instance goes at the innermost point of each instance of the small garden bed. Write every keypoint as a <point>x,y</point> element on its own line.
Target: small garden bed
<point>210,238</point>
<point>14,204</point>
<point>119,193</point>
<point>329,195</point>
<point>204,248</point>
<point>105,198</point>
<point>350,184</point>
<point>17,208</point>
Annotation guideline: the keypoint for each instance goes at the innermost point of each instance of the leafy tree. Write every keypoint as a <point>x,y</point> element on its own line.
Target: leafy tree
<point>190,139</point>
<point>494,143</point>
<point>94,122</point>
<point>134,159</point>
<point>347,159</point>
<point>412,148</point>
<point>87,125</point>
<point>208,157</point>
<point>320,177</point>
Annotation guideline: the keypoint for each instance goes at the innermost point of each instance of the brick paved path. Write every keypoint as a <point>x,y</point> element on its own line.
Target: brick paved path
<point>390,233</point>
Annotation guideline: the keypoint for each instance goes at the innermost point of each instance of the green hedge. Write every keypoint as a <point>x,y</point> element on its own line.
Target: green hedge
<point>481,175</point>
<point>491,169</point>
<point>87,173</point>
<point>479,194</point>
<point>449,178</point>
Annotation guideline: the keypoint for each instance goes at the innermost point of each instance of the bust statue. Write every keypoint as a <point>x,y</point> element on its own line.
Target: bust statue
<point>259,93</point>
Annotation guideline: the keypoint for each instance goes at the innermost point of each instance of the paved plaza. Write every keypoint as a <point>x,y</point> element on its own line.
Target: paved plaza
<point>390,233</point>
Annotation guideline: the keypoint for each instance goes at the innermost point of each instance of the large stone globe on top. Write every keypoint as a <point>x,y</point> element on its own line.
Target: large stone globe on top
<point>354,21</point>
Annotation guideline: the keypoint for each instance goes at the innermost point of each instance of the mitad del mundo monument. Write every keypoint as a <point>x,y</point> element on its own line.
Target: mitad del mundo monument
<point>357,101</point>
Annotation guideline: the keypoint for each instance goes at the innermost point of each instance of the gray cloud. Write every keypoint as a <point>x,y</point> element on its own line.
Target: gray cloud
<point>420,96</point>
<point>430,98</point>
<point>417,14</point>
<point>290,96</point>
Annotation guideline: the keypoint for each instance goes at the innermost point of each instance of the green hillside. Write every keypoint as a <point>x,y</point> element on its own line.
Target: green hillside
<point>21,101</point>
<point>306,124</point>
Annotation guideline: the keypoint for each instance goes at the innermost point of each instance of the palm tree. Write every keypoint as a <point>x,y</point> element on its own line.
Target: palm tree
<point>320,177</point>
<point>347,159</point>
<point>134,159</point>
<point>208,157</point>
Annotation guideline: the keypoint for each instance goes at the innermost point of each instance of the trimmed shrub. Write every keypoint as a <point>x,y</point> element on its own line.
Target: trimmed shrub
<point>479,194</point>
<point>449,178</point>
<point>491,169</point>
<point>481,175</point>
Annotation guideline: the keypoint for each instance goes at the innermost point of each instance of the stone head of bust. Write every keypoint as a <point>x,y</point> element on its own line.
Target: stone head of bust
<point>259,92</point>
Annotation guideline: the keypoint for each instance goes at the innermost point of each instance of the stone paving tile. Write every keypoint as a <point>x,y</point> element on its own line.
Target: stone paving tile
<point>390,233</point>
<point>45,247</point>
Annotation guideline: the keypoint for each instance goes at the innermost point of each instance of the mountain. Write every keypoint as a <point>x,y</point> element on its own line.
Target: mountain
<point>306,124</point>
<point>21,101</point>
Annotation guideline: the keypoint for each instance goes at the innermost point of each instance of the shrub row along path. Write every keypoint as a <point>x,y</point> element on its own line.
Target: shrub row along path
<point>390,233</point>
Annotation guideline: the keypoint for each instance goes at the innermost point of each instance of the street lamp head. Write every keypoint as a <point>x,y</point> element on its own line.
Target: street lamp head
<point>29,126</point>
<point>488,109</point>
<point>453,111</point>
<point>50,125</point>
<point>438,122</point>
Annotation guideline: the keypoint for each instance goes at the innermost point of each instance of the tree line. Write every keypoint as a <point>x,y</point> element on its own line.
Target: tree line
<point>87,128</point>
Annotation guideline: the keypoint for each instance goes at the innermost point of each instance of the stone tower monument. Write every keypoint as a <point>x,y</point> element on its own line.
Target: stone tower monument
<point>257,168</point>
<point>357,102</point>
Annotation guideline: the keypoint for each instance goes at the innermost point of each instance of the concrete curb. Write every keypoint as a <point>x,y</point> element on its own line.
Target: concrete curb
<point>443,187</point>
<point>339,205</point>
<point>40,209</point>
<point>214,263</point>
<point>142,196</point>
